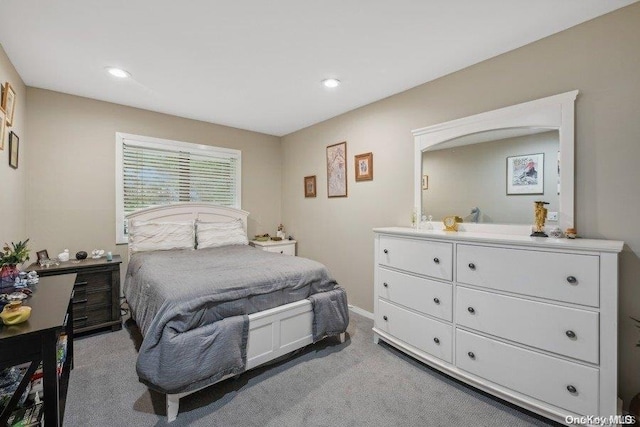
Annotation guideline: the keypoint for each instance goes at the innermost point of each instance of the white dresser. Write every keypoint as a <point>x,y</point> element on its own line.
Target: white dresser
<point>530,320</point>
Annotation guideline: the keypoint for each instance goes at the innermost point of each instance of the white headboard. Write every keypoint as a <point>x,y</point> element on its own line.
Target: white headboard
<point>190,210</point>
<point>185,211</point>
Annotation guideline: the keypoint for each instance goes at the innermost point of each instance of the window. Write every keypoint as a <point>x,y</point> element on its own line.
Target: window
<point>152,171</point>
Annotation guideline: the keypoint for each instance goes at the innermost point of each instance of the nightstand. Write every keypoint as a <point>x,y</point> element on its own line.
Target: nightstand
<point>285,247</point>
<point>96,301</point>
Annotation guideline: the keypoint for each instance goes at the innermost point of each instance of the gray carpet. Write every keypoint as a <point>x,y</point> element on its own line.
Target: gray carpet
<point>356,383</point>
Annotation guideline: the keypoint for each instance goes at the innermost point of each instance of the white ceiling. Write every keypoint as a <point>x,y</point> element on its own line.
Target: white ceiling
<point>258,64</point>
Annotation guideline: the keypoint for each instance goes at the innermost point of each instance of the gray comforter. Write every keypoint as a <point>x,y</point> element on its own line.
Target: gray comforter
<point>192,308</point>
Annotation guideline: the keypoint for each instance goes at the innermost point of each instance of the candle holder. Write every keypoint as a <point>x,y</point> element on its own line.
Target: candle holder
<point>540,217</point>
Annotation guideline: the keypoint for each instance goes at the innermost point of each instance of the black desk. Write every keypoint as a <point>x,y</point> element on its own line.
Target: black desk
<point>35,340</point>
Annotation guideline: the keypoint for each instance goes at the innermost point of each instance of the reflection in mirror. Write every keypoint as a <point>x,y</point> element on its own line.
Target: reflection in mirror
<point>468,176</point>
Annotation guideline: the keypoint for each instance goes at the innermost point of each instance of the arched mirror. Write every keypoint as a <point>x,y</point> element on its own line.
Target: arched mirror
<point>489,168</point>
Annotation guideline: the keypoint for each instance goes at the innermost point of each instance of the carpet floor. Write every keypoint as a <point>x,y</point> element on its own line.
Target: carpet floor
<point>357,383</point>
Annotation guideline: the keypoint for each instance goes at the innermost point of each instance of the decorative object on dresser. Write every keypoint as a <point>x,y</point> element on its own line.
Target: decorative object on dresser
<point>285,247</point>
<point>337,170</point>
<point>80,255</point>
<point>42,255</point>
<point>531,321</point>
<point>8,102</point>
<point>46,340</point>
<point>310,186</point>
<point>364,167</point>
<point>14,149</point>
<point>540,215</point>
<point>96,300</point>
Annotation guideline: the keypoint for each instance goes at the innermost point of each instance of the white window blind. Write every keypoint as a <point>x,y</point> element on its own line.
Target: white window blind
<point>154,172</point>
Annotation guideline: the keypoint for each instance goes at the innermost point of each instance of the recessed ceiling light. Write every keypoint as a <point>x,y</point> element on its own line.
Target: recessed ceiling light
<point>118,72</point>
<point>331,83</point>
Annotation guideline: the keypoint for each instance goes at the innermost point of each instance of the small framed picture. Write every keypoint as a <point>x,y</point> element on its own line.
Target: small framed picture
<point>14,146</point>
<point>364,167</point>
<point>42,255</point>
<point>310,186</point>
<point>9,102</point>
<point>3,127</point>
<point>425,182</point>
<point>525,174</point>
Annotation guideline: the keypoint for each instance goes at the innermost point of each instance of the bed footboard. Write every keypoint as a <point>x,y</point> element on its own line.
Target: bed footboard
<point>272,334</point>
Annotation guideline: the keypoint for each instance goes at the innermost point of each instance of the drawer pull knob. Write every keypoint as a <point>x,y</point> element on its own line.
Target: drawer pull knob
<point>436,300</point>
<point>571,334</point>
<point>471,310</point>
<point>385,318</point>
<point>385,284</point>
<point>472,266</point>
<point>386,251</point>
<point>572,279</point>
<point>471,355</point>
<point>436,340</point>
<point>436,260</point>
<point>571,389</point>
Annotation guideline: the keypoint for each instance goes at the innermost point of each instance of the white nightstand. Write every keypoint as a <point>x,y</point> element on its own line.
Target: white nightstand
<point>285,247</point>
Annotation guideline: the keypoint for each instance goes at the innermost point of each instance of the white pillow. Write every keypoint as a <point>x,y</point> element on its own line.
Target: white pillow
<point>215,234</point>
<point>160,236</point>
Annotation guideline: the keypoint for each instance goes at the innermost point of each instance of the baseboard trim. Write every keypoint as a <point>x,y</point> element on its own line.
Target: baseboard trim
<point>361,311</point>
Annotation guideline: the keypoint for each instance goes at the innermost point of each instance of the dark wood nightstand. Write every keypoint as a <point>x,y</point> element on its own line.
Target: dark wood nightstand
<point>96,301</point>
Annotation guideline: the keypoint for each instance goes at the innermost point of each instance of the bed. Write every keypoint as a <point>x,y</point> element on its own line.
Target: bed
<point>214,312</point>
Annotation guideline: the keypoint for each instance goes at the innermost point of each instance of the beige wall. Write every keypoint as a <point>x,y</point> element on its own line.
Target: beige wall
<point>600,58</point>
<point>13,181</point>
<point>71,170</point>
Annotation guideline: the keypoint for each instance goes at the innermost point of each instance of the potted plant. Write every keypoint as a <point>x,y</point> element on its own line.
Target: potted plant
<point>11,256</point>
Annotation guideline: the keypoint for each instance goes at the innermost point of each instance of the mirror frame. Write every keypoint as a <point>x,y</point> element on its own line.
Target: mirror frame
<point>555,112</point>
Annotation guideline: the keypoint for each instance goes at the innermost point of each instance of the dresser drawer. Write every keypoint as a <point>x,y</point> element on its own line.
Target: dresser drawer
<point>557,276</point>
<point>85,316</point>
<point>428,335</point>
<point>93,281</point>
<point>425,257</point>
<point>537,375</point>
<point>424,295</point>
<point>567,331</point>
<point>83,296</point>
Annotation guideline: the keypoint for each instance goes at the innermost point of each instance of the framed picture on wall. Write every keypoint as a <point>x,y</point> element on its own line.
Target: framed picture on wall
<point>3,128</point>
<point>310,186</point>
<point>9,102</point>
<point>364,167</point>
<point>525,174</point>
<point>14,148</point>
<point>337,170</point>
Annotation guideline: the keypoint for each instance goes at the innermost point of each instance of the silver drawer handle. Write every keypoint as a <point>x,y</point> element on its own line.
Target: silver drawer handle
<point>472,266</point>
<point>436,300</point>
<point>571,334</point>
<point>572,389</point>
<point>386,251</point>
<point>385,318</point>
<point>436,260</point>
<point>572,280</point>
<point>471,355</point>
<point>471,310</point>
<point>436,340</point>
<point>385,284</point>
